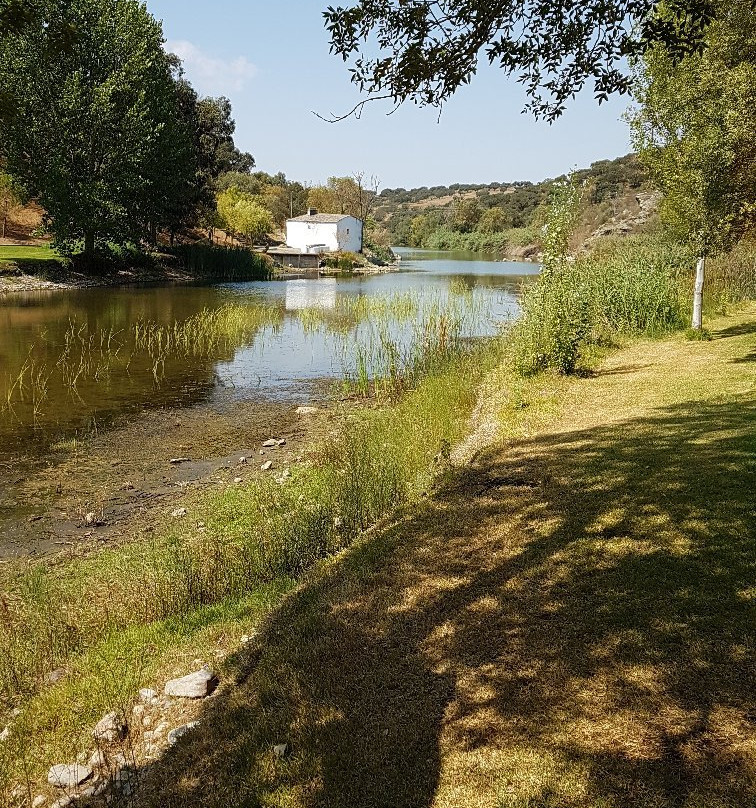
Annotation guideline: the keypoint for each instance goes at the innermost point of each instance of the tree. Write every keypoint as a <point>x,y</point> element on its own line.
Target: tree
<point>493,220</point>
<point>466,214</point>
<point>353,196</point>
<point>217,151</point>
<point>95,131</point>
<point>695,128</point>
<point>244,214</point>
<point>425,50</point>
<point>10,199</point>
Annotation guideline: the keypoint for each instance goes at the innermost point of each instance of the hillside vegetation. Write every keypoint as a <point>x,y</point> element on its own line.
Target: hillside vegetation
<point>508,218</point>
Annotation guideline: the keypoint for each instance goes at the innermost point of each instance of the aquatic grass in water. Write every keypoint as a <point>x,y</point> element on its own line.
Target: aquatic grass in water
<point>90,359</point>
<point>387,355</point>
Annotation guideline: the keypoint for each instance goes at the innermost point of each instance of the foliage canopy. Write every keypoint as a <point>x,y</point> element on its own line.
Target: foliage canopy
<point>695,128</point>
<point>425,50</point>
<point>95,131</point>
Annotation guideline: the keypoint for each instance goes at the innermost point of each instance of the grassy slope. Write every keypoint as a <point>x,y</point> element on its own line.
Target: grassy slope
<point>569,622</point>
<point>20,254</point>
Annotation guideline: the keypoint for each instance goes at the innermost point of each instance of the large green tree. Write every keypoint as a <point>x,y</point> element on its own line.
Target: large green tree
<point>425,50</point>
<point>94,129</point>
<point>695,127</point>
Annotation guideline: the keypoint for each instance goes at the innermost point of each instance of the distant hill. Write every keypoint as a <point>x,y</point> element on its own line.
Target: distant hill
<point>507,217</point>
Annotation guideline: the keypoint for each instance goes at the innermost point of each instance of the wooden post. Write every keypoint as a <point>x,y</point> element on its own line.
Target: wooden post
<point>697,323</point>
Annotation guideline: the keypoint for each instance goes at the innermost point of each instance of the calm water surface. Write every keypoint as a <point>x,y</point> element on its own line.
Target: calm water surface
<point>73,360</point>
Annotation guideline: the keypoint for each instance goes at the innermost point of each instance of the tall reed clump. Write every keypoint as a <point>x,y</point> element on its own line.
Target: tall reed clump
<point>628,288</point>
<point>224,263</point>
<point>730,278</point>
<point>632,289</point>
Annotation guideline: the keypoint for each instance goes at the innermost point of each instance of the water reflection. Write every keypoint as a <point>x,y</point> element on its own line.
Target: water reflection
<point>68,359</point>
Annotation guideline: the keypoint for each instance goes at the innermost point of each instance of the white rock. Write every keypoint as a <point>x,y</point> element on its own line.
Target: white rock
<point>177,733</point>
<point>267,466</point>
<point>160,728</point>
<point>138,710</point>
<point>280,750</point>
<point>270,443</point>
<point>110,728</point>
<point>307,410</point>
<point>282,442</point>
<point>238,480</point>
<point>286,473</point>
<point>242,460</point>
<point>178,513</point>
<point>68,775</point>
<point>63,802</point>
<point>146,695</point>
<point>90,518</point>
<point>176,460</point>
<point>98,760</point>
<point>39,801</point>
<point>196,685</point>
<point>5,734</point>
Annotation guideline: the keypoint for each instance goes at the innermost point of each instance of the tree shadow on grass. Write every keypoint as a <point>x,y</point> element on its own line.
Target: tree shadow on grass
<point>738,330</point>
<point>568,623</point>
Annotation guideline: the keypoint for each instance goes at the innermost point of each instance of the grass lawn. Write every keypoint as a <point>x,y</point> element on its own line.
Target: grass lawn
<point>567,622</point>
<point>19,254</point>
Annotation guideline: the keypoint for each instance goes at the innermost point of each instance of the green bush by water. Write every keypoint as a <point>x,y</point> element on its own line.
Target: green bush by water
<point>627,289</point>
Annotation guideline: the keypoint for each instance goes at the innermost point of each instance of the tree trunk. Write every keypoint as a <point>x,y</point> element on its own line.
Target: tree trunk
<point>697,323</point>
<point>89,241</point>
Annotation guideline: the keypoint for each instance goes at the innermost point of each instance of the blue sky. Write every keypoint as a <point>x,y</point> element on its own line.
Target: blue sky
<point>271,59</point>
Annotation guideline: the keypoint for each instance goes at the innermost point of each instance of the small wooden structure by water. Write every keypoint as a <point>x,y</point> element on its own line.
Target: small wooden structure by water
<point>294,258</point>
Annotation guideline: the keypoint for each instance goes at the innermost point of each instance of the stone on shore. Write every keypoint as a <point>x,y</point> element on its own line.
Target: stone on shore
<point>306,410</point>
<point>110,728</point>
<point>270,443</point>
<point>196,685</point>
<point>267,466</point>
<point>68,775</point>
<point>148,696</point>
<point>177,733</point>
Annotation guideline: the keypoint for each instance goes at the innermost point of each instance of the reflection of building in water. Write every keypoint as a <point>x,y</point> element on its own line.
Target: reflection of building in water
<point>304,294</point>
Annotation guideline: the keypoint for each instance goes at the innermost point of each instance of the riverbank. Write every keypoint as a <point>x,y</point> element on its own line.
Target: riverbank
<point>182,587</point>
<point>44,270</point>
<point>566,621</point>
<point>393,653</point>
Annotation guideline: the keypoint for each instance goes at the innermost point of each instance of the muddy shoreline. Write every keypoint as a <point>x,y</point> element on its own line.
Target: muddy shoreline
<point>124,475</point>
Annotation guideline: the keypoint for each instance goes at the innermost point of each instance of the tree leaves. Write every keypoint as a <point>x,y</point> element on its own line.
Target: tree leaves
<point>425,50</point>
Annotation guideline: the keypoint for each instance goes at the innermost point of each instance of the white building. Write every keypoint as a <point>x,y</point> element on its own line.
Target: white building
<point>324,232</point>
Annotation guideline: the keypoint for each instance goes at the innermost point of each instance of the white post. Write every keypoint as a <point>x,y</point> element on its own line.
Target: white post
<point>698,295</point>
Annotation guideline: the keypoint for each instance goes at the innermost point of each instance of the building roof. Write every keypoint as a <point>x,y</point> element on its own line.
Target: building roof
<point>321,218</point>
<point>282,250</point>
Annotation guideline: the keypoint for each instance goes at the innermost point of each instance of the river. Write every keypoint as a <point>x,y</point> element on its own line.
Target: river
<point>70,361</point>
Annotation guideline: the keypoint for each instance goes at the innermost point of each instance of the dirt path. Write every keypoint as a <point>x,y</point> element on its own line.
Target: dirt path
<point>568,622</point>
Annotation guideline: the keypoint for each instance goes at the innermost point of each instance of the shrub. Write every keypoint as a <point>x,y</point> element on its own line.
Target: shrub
<point>627,289</point>
<point>223,263</point>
